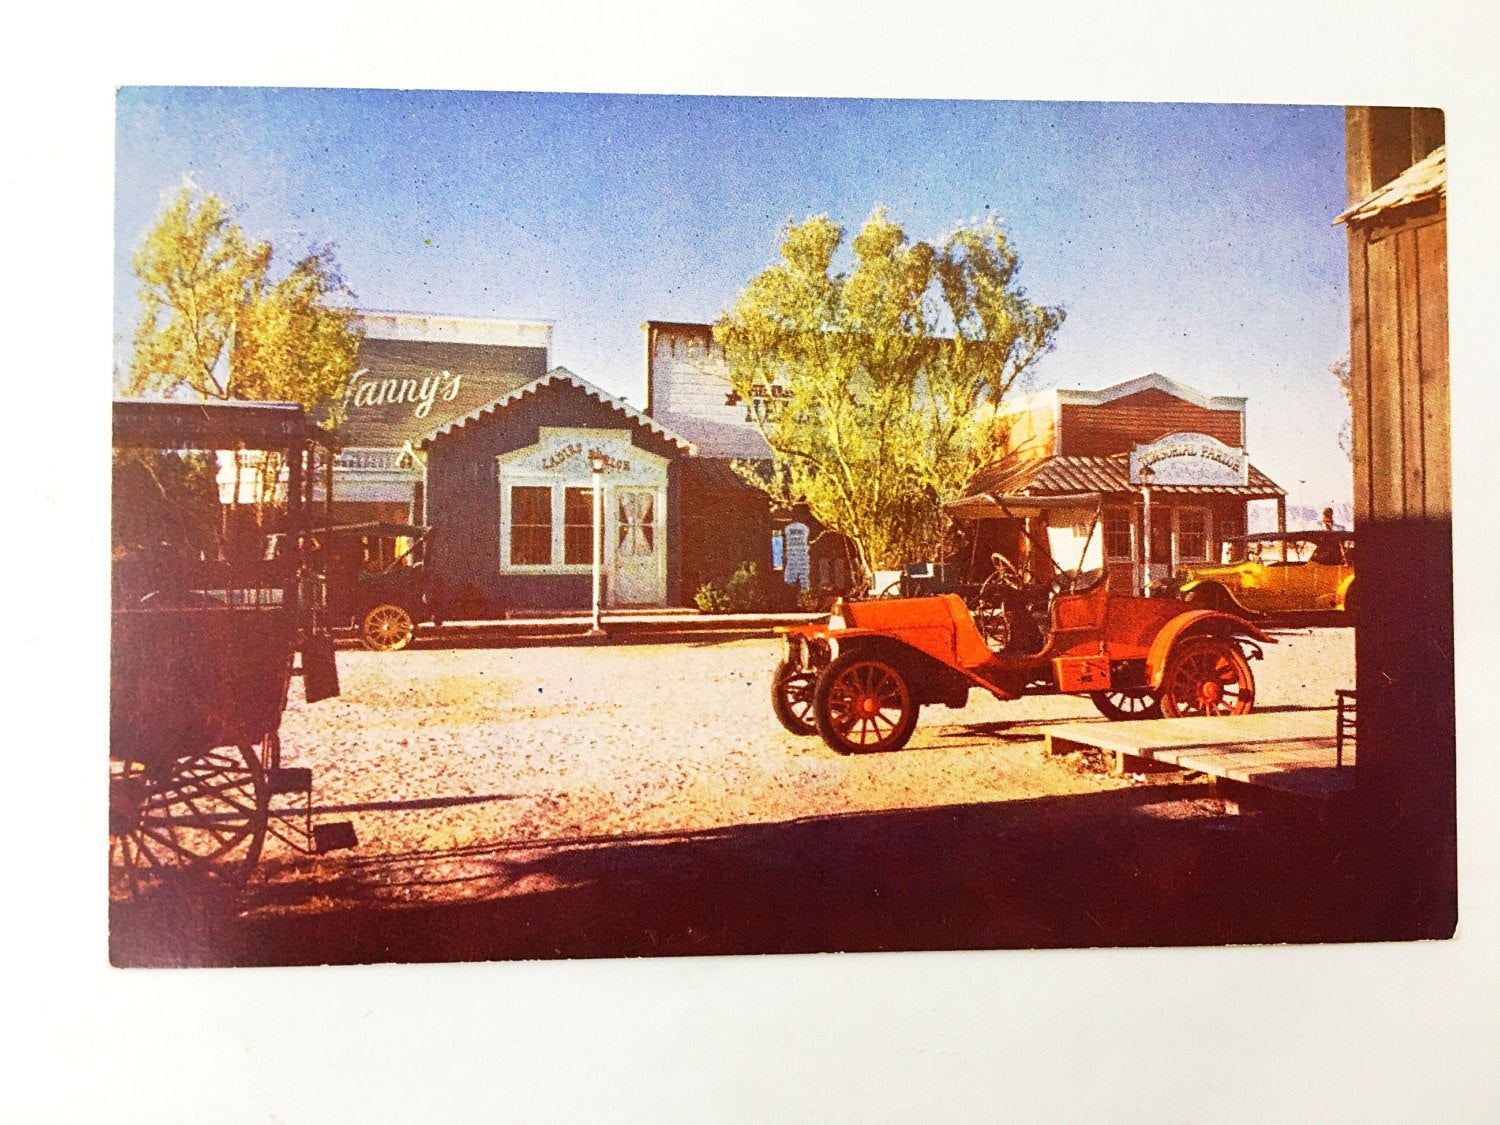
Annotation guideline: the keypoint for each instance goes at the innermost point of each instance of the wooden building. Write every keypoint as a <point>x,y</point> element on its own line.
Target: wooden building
<point>417,371</point>
<point>510,490</point>
<point>1398,289</point>
<point>726,522</point>
<point>1169,461</point>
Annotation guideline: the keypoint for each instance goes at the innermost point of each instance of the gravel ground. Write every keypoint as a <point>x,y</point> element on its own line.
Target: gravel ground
<point>446,761</point>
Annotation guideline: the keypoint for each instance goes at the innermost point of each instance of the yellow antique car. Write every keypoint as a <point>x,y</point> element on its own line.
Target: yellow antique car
<point>1275,572</point>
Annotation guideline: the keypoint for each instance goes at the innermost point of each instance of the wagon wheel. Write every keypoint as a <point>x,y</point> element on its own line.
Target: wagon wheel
<point>1127,703</point>
<point>195,824</point>
<point>1206,676</point>
<point>387,628</point>
<point>863,704</point>
<point>792,698</point>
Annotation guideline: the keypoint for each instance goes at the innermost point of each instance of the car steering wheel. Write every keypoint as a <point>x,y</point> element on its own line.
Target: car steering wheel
<point>1007,572</point>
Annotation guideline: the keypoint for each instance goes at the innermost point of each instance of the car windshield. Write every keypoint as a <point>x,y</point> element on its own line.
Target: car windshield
<point>1290,550</point>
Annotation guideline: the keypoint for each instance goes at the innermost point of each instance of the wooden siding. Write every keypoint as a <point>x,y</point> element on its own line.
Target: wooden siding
<point>1403,503</point>
<point>464,500</point>
<point>1399,363</point>
<point>1117,427</point>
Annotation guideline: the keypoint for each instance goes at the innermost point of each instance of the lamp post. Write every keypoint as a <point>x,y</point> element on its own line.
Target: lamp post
<point>1146,476</point>
<point>596,463</point>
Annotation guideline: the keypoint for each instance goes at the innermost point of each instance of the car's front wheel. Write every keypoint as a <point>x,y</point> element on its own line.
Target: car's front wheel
<point>1127,703</point>
<point>863,704</point>
<point>792,690</point>
<point>387,628</point>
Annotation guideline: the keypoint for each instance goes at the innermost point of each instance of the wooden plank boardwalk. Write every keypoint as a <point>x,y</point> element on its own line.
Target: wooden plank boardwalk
<point>1292,752</point>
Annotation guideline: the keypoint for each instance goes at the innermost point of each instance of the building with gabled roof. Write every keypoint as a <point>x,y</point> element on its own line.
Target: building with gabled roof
<point>509,488</point>
<point>416,371</point>
<point>1167,463</point>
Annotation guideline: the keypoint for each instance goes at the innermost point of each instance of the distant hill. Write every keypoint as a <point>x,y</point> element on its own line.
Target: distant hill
<point>1299,517</point>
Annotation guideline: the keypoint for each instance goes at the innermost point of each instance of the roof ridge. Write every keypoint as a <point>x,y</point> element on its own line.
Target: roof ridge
<point>556,375</point>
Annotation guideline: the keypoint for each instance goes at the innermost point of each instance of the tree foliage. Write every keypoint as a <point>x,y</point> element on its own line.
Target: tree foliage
<point>215,321</point>
<point>1339,369</point>
<point>883,379</point>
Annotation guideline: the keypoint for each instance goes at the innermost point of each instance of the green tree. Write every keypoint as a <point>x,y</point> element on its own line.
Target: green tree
<point>213,319</point>
<point>882,382</point>
<point>1339,369</point>
<point>216,322</point>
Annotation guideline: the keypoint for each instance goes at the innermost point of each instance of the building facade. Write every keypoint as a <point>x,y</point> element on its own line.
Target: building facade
<point>415,372</point>
<point>1397,224</point>
<point>1166,463</point>
<point>510,492</point>
<point>726,521</point>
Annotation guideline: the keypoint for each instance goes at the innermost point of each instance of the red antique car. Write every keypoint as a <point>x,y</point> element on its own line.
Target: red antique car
<point>860,679</point>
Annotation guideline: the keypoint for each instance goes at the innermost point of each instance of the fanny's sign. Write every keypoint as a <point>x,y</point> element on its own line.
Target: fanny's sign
<point>420,393</point>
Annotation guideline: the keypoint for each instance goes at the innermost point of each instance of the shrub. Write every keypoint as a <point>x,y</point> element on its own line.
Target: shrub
<point>743,590</point>
<point>711,599</point>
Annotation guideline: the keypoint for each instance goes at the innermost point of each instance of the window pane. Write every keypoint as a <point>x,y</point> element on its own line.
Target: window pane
<point>530,526</point>
<point>530,546</point>
<point>1192,533</point>
<point>578,526</point>
<point>530,506</point>
<point>579,505</point>
<point>1117,533</point>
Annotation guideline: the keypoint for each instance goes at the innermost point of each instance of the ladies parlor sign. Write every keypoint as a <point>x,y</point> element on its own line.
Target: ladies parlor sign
<point>570,453</point>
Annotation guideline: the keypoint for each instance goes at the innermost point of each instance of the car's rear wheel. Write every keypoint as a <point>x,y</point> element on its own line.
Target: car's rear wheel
<point>387,628</point>
<point>863,704</point>
<point>792,691</point>
<point>1128,703</point>
<point>1206,676</point>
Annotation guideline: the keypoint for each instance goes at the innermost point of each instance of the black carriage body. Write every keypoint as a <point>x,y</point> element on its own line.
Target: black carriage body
<point>373,564</point>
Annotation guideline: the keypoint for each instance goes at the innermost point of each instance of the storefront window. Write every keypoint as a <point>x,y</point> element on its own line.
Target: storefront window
<point>1117,533</point>
<point>530,526</point>
<point>1192,534</point>
<point>578,526</point>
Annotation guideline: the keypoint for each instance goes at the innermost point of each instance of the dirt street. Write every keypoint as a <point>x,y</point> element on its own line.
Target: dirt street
<point>636,799</point>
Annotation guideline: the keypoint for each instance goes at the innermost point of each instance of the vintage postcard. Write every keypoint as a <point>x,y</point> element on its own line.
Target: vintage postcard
<point>597,526</point>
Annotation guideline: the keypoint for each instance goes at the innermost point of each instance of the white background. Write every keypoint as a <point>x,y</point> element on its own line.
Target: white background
<point>1367,1033</point>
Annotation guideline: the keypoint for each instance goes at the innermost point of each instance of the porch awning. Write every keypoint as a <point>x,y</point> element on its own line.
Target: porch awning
<point>1034,486</point>
<point>992,506</point>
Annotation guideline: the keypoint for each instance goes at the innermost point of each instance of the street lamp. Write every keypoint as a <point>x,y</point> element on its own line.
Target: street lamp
<point>596,463</point>
<point>1146,475</point>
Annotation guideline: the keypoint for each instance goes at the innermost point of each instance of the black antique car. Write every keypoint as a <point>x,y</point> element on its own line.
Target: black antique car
<point>376,580</point>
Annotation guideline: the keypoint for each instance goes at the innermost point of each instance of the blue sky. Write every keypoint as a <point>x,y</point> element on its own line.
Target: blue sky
<point>1190,240</point>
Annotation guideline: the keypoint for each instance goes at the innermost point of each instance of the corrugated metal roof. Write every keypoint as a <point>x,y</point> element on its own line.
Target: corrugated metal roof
<point>1426,179</point>
<point>1063,475</point>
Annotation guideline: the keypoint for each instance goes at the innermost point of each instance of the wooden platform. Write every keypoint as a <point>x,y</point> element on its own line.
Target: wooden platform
<point>1292,752</point>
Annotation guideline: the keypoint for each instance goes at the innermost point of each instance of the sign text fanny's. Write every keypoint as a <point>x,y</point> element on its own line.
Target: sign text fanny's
<point>420,393</point>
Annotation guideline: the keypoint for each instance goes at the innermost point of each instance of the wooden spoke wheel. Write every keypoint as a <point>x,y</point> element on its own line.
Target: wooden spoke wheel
<point>792,690</point>
<point>1127,703</point>
<point>863,704</point>
<point>195,824</point>
<point>1206,676</point>
<point>387,628</point>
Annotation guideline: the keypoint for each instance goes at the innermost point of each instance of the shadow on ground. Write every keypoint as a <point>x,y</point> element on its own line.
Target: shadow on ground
<point>1142,866</point>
